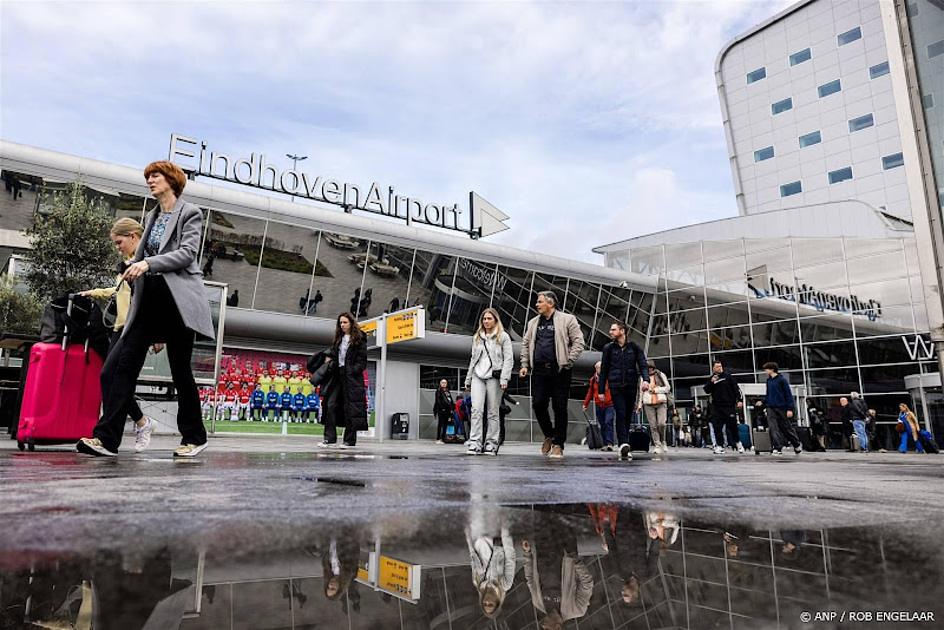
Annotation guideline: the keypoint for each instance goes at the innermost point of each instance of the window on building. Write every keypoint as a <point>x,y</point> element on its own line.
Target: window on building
<point>892,161</point>
<point>862,122</point>
<point>799,57</point>
<point>763,154</point>
<point>829,88</point>
<point>756,75</point>
<point>878,70</point>
<point>840,175</point>
<point>849,36</point>
<point>809,139</point>
<point>781,106</point>
<point>792,188</point>
<point>936,49</point>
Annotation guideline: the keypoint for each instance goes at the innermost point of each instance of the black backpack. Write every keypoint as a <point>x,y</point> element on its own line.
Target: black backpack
<point>75,319</point>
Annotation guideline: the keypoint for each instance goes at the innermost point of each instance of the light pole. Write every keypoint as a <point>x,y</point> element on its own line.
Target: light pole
<point>295,160</point>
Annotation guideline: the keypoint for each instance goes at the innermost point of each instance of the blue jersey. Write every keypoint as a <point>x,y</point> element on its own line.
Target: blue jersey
<point>258,399</point>
<point>313,402</point>
<point>287,400</point>
<point>272,399</point>
<point>299,402</point>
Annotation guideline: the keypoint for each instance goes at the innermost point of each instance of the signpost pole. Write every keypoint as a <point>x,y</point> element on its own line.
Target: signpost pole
<point>380,400</point>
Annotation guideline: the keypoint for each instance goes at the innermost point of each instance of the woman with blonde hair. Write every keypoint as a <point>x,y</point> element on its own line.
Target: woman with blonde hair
<point>169,305</point>
<point>126,234</point>
<point>486,380</point>
<point>909,429</point>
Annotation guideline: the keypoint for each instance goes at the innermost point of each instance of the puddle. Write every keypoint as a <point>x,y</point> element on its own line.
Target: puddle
<point>516,566</point>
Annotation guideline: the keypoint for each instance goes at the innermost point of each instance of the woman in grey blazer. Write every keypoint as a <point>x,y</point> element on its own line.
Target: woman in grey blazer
<point>168,305</point>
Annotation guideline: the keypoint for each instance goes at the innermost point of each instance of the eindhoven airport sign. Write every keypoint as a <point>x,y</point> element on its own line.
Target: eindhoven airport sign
<point>482,218</point>
<point>807,295</point>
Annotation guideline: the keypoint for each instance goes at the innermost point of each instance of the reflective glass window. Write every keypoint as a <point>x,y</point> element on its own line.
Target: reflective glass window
<point>285,273</point>
<point>582,300</point>
<point>840,175</point>
<point>779,333</point>
<point>860,123</point>
<point>849,36</point>
<point>781,106</point>
<point>514,301</point>
<point>756,75</point>
<point>799,57</point>
<point>878,70</point>
<point>763,154</point>
<point>892,161</point>
<point>829,88</point>
<point>340,273</point>
<point>232,253</point>
<point>793,188</point>
<point>475,281</point>
<point>809,139</point>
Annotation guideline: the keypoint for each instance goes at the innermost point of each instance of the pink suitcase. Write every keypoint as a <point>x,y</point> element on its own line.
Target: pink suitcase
<point>62,397</point>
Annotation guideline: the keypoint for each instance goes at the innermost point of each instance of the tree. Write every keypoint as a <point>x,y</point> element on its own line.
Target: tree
<point>71,250</point>
<point>19,311</point>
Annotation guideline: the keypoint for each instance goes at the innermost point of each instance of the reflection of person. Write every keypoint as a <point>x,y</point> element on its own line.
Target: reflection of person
<point>443,407</point>
<point>561,585</point>
<point>552,344</point>
<point>339,558</point>
<point>343,396</point>
<point>493,567</point>
<point>126,235</point>
<point>168,305</point>
<point>487,378</point>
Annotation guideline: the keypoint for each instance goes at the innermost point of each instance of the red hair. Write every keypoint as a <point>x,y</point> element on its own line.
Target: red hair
<point>171,172</point>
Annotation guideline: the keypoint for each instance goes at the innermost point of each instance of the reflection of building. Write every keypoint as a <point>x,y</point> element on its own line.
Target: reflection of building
<point>821,272</point>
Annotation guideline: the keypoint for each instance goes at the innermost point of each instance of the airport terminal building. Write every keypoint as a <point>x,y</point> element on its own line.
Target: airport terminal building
<point>820,271</point>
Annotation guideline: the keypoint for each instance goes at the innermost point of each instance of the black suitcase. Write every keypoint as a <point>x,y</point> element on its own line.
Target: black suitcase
<point>806,439</point>
<point>639,435</point>
<point>761,439</point>
<point>594,437</point>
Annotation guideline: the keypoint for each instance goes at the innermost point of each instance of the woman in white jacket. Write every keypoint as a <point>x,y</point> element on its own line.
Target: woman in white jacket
<point>487,377</point>
<point>655,400</point>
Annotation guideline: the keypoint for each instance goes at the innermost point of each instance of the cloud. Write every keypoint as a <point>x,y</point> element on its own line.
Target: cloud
<point>580,120</point>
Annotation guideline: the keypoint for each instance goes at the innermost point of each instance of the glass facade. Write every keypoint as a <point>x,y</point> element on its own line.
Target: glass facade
<point>926,23</point>
<point>832,312</point>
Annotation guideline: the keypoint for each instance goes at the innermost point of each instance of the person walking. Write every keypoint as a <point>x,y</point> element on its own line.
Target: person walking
<point>622,366</point>
<point>725,401</point>
<point>552,344</point>
<point>126,235</point>
<point>855,412</point>
<point>343,397</point>
<point>909,429</point>
<point>443,407</point>
<point>676,427</point>
<point>603,405</point>
<point>780,411</point>
<point>168,305</point>
<point>486,379</point>
<point>655,403</point>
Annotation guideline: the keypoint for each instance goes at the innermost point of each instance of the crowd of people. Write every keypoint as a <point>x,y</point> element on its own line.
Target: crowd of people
<point>159,302</point>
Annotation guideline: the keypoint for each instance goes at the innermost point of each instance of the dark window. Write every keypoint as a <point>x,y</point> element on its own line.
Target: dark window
<point>849,36</point>
<point>792,188</point>
<point>763,154</point>
<point>756,75</point>
<point>860,123</point>
<point>878,70</point>
<point>840,175</point>
<point>781,106</point>
<point>809,139</point>
<point>829,88</point>
<point>799,57</point>
<point>892,161</point>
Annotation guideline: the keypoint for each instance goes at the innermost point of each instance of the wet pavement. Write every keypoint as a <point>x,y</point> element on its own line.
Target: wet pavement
<point>266,533</point>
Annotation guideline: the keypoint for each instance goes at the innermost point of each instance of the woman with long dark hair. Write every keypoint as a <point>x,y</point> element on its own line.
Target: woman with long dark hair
<point>168,305</point>
<point>344,398</point>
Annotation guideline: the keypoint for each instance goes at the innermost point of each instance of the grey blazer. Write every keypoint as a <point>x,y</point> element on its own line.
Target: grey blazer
<point>177,262</point>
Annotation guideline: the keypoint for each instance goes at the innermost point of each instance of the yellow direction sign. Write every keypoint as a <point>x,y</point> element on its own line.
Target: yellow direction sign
<point>406,325</point>
<point>399,578</point>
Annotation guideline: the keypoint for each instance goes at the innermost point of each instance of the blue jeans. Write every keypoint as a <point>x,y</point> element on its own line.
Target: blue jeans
<point>859,427</point>
<point>905,438</point>
<point>605,418</point>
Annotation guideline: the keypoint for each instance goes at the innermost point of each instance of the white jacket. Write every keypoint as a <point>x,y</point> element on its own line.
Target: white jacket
<point>498,350</point>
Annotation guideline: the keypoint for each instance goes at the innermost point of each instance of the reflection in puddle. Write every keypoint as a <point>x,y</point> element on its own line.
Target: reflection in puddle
<point>542,566</point>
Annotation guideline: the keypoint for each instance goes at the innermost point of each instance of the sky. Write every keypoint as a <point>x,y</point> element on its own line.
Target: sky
<point>586,122</point>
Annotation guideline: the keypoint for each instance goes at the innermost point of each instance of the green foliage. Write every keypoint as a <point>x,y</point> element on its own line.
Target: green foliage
<point>71,250</point>
<point>19,311</point>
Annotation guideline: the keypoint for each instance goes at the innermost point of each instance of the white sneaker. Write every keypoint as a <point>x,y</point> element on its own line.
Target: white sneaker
<point>625,452</point>
<point>439,442</point>
<point>740,448</point>
<point>93,446</point>
<point>142,435</point>
<point>190,450</point>
<point>798,450</point>
<point>719,450</point>
<point>326,444</point>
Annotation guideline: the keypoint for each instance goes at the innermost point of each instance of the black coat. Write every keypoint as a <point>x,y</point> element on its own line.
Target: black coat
<point>343,397</point>
<point>444,405</point>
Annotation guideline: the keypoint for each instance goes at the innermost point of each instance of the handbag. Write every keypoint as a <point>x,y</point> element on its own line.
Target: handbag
<point>110,312</point>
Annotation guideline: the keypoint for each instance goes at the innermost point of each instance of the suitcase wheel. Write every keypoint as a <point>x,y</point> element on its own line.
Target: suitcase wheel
<point>21,445</point>
<point>31,445</point>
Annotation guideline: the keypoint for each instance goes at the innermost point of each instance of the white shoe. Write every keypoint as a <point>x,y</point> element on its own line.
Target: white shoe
<point>625,452</point>
<point>439,442</point>
<point>142,435</point>
<point>740,448</point>
<point>719,450</point>
<point>190,450</point>
<point>93,446</point>
<point>798,450</point>
<point>327,444</point>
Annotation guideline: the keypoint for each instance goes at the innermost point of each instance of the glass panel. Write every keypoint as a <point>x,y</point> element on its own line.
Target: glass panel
<point>827,355</point>
<point>724,316</point>
<point>835,381</point>
<point>338,258</point>
<point>685,300</point>
<point>811,281</point>
<point>232,251</point>
<point>781,106</point>
<point>737,361</point>
<point>787,357</point>
<point>685,321</point>
<point>582,300</point>
<point>799,57</point>
<point>814,251</point>
<point>868,247</point>
<point>389,277</point>
<point>878,267</point>
<point>471,295</point>
<point>431,285</point>
<point>648,261</point>
<point>288,260</point>
<point>690,342</point>
<point>809,139</point>
<point>776,333</point>
<point>886,378</point>
<point>514,301</point>
<point>826,328</point>
<point>883,350</point>
<point>735,338</point>
<point>829,88</point>
<point>756,75</point>
<point>614,304</point>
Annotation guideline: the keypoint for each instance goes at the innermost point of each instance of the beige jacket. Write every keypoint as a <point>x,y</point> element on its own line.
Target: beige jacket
<point>568,340</point>
<point>576,585</point>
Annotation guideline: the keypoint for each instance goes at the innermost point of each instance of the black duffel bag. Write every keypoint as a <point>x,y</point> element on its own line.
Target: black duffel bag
<point>75,319</point>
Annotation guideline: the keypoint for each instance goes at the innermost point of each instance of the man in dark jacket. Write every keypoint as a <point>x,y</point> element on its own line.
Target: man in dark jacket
<point>621,370</point>
<point>780,411</point>
<point>725,401</point>
<point>855,412</point>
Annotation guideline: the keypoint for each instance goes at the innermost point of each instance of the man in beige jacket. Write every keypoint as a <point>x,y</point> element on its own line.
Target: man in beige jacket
<point>552,343</point>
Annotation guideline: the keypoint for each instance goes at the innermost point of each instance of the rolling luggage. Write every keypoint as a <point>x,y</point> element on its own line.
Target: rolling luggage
<point>761,440</point>
<point>806,439</point>
<point>62,396</point>
<point>639,436</point>
<point>594,437</point>
<point>927,441</point>
<point>744,434</point>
